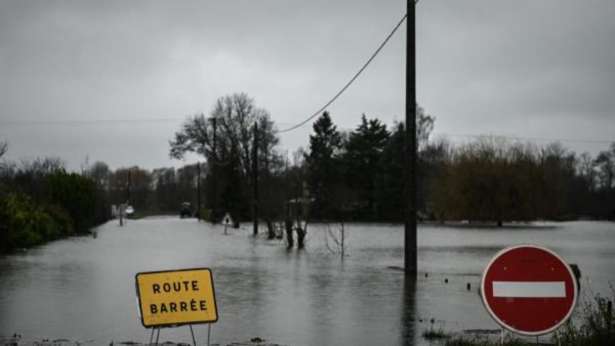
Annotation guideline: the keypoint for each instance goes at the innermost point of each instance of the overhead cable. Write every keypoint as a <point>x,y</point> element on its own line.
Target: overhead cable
<point>356,75</point>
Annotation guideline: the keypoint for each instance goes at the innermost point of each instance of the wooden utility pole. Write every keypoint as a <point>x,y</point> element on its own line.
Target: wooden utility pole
<point>255,179</point>
<point>198,190</point>
<point>214,169</point>
<point>128,185</point>
<point>410,249</point>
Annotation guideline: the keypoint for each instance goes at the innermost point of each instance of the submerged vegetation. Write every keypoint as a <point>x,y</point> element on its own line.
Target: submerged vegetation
<point>592,324</point>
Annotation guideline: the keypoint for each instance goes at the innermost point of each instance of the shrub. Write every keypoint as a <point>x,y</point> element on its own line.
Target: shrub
<point>593,324</point>
<point>25,224</point>
<point>77,195</point>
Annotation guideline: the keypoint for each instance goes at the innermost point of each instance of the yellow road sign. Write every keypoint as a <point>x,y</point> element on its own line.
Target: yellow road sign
<point>176,297</point>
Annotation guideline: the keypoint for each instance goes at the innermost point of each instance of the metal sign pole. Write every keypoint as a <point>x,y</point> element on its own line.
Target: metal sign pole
<point>157,336</point>
<point>208,333</point>
<point>192,333</point>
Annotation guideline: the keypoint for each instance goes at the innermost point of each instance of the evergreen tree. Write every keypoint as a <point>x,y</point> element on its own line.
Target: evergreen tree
<point>363,169</point>
<point>323,165</point>
<point>390,193</point>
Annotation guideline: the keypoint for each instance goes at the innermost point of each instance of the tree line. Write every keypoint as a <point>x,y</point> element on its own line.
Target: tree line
<point>41,201</point>
<point>354,175</point>
<point>358,175</point>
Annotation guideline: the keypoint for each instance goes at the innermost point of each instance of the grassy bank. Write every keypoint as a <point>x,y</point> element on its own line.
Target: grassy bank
<point>592,324</point>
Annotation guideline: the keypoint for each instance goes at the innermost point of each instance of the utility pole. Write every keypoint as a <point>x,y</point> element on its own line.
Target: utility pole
<point>255,179</point>
<point>214,169</point>
<point>129,185</point>
<point>198,190</point>
<point>410,249</point>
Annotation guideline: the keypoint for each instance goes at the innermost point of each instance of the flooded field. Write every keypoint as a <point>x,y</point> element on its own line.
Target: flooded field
<point>83,288</point>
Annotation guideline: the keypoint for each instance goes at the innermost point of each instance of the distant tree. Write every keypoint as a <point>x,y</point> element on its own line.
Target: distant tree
<point>165,196</point>
<point>390,193</point>
<point>131,185</point>
<point>558,169</point>
<point>230,162</point>
<point>6,169</point>
<point>585,170</point>
<point>29,176</point>
<point>432,163</point>
<point>186,184</point>
<point>605,164</point>
<point>604,196</point>
<point>490,180</point>
<point>323,165</point>
<point>75,194</point>
<point>100,173</point>
<point>477,184</point>
<point>424,127</point>
<point>4,147</point>
<point>362,163</point>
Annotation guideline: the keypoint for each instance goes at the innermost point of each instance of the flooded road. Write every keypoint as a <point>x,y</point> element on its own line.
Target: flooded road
<point>83,288</point>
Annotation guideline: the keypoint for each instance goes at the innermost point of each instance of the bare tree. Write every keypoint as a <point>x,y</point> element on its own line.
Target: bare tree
<point>605,164</point>
<point>4,147</point>
<point>585,169</point>
<point>227,141</point>
<point>338,240</point>
<point>424,127</point>
<point>100,173</point>
<point>235,116</point>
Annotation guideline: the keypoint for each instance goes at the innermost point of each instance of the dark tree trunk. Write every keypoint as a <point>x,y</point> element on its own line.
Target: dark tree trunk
<point>300,237</point>
<point>270,230</point>
<point>289,233</point>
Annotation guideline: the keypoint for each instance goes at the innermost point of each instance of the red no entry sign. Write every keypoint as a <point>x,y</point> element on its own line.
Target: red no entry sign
<point>529,290</point>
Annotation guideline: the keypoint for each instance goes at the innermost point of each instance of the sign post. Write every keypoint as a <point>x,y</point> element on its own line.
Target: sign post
<point>175,298</point>
<point>529,290</point>
<point>227,221</point>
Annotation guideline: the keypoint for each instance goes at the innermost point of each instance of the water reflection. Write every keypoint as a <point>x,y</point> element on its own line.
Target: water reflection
<point>408,313</point>
<point>308,297</point>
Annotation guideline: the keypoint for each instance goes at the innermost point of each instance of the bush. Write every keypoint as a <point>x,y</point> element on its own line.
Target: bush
<point>24,223</point>
<point>75,194</point>
<point>206,215</point>
<point>61,218</point>
<point>593,324</point>
<point>42,202</point>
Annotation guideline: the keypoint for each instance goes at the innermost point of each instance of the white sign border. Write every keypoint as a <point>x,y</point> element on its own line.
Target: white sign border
<point>514,330</point>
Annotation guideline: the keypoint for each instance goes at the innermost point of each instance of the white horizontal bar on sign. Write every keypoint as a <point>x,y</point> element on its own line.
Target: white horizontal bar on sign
<point>529,289</point>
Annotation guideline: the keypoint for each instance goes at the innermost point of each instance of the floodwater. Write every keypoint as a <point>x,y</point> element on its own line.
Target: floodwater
<point>83,288</point>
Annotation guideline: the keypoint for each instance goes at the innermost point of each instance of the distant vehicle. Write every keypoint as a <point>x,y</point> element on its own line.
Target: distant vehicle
<point>130,210</point>
<point>186,210</point>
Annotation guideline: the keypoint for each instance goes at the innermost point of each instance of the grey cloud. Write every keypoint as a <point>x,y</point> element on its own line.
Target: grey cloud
<point>529,67</point>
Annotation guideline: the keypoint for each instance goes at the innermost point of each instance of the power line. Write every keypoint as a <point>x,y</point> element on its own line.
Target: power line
<point>356,75</point>
<point>149,120</point>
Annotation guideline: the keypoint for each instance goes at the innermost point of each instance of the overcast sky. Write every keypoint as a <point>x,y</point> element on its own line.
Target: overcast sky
<point>539,69</point>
